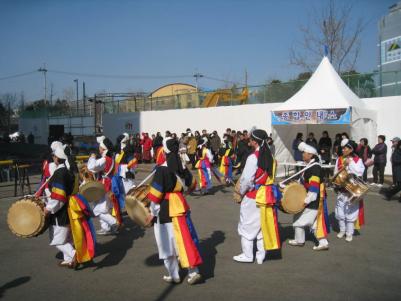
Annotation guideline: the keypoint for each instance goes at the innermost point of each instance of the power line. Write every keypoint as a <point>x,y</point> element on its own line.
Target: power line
<point>18,75</point>
<point>116,76</point>
<point>120,76</point>
<point>222,80</point>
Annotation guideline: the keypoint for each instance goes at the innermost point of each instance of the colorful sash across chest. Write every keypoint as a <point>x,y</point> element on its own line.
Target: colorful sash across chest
<point>82,229</point>
<point>266,200</point>
<point>58,192</point>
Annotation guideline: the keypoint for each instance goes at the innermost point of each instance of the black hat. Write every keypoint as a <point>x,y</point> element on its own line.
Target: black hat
<point>259,135</point>
<point>108,144</point>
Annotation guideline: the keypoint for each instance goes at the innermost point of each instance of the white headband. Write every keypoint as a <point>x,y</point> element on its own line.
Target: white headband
<point>60,153</point>
<point>55,145</point>
<point>344,142</point>
<point>303,147</point>
<point>165,148</point>
<point>100,141</point>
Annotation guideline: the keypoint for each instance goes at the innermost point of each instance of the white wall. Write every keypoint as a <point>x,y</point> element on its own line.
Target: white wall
<point>242,117</point>
<point>116,124</point>
<point>38,126</point>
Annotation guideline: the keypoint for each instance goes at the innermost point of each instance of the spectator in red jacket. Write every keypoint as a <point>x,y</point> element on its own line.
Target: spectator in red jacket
<point>147,147</point>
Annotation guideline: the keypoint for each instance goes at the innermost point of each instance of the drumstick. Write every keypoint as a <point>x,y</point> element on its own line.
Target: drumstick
<point>41,187</point>
<point>298,173</point>
<point>146,179</point>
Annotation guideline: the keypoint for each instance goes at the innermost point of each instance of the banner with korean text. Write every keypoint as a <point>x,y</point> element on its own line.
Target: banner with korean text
<point>316,116</point>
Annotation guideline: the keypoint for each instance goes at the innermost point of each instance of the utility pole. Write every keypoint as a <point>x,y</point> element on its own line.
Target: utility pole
<point>44,71</point>
<point>197,75</point>
<point>9,116</point>
<point>84,96</point>
<point>51,93</point>
<point>76,82</point>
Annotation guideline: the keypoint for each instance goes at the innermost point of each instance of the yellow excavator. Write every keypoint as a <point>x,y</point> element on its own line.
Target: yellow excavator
<point>226,96</point>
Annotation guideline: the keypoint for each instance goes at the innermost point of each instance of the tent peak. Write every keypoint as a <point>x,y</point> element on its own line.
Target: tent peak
<point>324,90</point>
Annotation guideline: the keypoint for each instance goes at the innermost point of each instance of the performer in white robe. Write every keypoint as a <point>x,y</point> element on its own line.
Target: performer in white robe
<point>61,186</point>
<point>104,168</point>
<point>311,179</point>
<point>257,171</point>
<point>347,211</point>
<point>125,162</point>
<point>175,234</point>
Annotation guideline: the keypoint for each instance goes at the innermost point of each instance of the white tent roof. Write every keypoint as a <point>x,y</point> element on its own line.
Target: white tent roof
<point>324,90</point>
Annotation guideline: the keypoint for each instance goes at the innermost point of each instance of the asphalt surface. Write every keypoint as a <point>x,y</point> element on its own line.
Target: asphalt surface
<point>127,266</point>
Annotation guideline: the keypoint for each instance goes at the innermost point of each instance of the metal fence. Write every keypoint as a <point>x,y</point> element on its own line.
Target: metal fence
<point>364,85</point>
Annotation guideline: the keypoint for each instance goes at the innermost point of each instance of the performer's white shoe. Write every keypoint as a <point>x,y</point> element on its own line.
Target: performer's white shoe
<point>340,234</point>
<point>194,278</point>
<point>293,242</point>
<point>321,248</point>
<point>348,238</point>
<point>242,258</point>
<point>259,261</point>
<point>170,279</point>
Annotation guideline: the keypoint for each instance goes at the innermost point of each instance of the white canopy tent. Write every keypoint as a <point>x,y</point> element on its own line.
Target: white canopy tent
<point>324,103</point>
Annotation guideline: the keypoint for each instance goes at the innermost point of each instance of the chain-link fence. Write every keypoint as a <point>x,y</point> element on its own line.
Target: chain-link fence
<point>365,85</point>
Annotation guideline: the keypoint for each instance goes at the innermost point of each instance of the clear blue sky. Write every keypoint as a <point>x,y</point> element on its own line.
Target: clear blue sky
<point>217,38</point>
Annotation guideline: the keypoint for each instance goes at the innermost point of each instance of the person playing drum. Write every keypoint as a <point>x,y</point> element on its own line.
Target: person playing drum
<point>104,168</point>
<point>61,187</point>
<point>48,168</point>
<point>347,212</point>
<point>204,166</point>
<point>174,231</point>
<point>315,213</point>
<point>258,218</point>
<point>125,162</point>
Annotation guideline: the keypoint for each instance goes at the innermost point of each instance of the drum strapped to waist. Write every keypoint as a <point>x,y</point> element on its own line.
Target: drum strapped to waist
<point>92,190</point>
<point>137,205</point>
<point>26,217</point>
<point>350,183</point>
<point>293,198</point>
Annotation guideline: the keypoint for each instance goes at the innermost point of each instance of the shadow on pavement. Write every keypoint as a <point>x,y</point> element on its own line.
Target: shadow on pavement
<point>117,248</point>
<point>208,250</point>
<point>14,283</point>
<point>333,222</point>
<point>153,260</point>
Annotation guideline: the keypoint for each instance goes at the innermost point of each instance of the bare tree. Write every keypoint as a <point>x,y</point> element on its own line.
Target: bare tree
<point>69,94</point>
<point>333,28</point>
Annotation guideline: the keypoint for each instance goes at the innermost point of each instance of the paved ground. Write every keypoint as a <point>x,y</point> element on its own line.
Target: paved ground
<point>127,266</point>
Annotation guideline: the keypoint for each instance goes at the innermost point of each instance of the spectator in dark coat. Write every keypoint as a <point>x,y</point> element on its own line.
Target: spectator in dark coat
<point>325,145</point>
<point>396,165</point>
<point>380,161</point>
<point>215,143</point>
<point>31,138</point>
<point>393,148</point>
<point>364,152</point>
<point>297,153</point>
<point>311,140</point>
<point>295,143</point>
<point>337,149</point>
